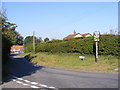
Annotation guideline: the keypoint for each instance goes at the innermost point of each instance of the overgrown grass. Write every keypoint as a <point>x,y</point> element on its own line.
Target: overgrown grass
<point>71,61</point>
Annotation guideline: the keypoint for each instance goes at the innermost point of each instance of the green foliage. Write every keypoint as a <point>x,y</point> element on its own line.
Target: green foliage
<point>29,57</point>
<point>19,40</point>
<point>13,36</point>
<point>9,37</point>
<point>29,40</point>
<point>8,31</point>
<point>46,39</point>
<point>107,63</point>
<point>28,48</point>
<point>108,45</point>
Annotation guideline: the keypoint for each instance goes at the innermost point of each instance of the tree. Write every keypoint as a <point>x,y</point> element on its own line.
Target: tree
<point>9,32</point>
<point>46,39</point>
<point>29,40</point>
<point>13,36</point>
<point>40,39</point>
<point>9,37</point>
<point>19,40</point>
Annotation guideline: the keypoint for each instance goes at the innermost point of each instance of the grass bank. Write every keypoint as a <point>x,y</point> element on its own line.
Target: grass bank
<point>71,61</point>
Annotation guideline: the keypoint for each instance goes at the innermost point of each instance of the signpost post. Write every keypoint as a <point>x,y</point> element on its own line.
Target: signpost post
<point>33,43</point>
<point>96,35</point>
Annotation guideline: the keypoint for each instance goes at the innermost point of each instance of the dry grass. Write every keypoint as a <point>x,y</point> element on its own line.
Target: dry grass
<point>71,61</point>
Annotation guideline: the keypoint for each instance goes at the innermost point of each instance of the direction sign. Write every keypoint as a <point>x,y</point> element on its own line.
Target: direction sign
<point>96,35</point>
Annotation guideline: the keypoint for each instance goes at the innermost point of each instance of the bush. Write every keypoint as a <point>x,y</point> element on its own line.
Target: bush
<point>29,57</point>
<point>108,45</point>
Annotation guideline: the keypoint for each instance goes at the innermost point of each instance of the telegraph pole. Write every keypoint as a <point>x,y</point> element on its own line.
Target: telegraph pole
<point>33,43</point>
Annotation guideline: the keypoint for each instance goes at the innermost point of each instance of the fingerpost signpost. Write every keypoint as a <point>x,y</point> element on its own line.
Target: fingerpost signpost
<point>96,36</point>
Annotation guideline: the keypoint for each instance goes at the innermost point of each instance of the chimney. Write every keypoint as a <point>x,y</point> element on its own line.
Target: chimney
<point>74,32</point>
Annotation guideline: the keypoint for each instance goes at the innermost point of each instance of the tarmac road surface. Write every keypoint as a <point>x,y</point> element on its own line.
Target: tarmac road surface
<point>25,74</point>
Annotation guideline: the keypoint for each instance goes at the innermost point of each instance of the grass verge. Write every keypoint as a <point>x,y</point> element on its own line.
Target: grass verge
<point>71,61</point>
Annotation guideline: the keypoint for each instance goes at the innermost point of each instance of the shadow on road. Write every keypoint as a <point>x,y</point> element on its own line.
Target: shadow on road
<point>13,55</point>
<point>20,67</point>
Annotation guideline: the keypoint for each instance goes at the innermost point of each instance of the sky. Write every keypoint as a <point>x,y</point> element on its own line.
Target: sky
<point>56,20</point>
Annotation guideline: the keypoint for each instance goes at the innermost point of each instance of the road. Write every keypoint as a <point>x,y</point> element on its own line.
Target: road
<point>25,74</point>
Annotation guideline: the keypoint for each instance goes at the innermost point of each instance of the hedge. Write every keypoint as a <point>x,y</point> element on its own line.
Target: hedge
<point>108,45</point>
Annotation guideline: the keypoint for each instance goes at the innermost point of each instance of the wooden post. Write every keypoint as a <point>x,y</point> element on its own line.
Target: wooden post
<point>33,43</point>
<point>96,35</point>
<point>96,60</point>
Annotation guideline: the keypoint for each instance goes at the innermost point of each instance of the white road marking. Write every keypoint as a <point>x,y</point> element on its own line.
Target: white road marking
<point>25,84</point>
<point>19,82</point>
<point>13,79</point>
<point>34,87</point>
<point>34,83</point>
<point>27,81</point>
<point>19,78</point>
<point>42,85</point>
<point>51,87</point>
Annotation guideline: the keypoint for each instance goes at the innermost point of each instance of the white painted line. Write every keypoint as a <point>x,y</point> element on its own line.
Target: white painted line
<point>19,78</point>
<point>43,85</point>
<point>25,84</point>
<point>51,87</point>
<point>27,81</point>
<point>19,82</point>
<point>34,87</point>
<point>34,83</point>
<point>13,79</point>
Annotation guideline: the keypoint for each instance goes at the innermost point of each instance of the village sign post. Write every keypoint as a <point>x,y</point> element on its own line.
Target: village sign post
<point>96,36</point>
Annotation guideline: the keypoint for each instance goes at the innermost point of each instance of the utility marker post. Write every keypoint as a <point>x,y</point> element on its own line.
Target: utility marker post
<point>96,35</point>
<point>33,43</point>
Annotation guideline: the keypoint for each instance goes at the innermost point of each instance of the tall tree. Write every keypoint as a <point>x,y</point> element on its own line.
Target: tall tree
<point>29,40</point>
<point>12,35</point>
<point>19,40</point>
<point>40,39</point>
<point>46,39</point>
<point>9,37</point>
